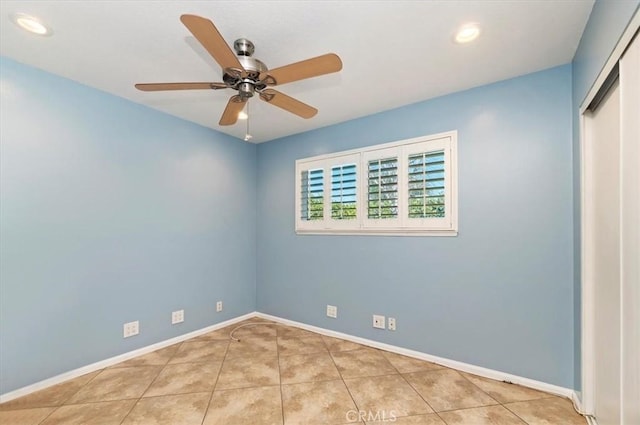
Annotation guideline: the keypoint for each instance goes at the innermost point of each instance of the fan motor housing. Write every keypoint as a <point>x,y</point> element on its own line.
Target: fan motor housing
<point>245,82</point>
<point>252,64</point>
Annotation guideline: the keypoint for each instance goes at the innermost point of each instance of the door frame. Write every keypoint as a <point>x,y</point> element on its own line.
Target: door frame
<point>586,230</point>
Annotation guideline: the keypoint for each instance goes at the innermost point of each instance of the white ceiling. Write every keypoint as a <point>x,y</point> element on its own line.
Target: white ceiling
<point>394,52</point>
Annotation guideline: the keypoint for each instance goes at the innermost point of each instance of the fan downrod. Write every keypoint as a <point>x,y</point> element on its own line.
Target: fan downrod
<point>244,47</point>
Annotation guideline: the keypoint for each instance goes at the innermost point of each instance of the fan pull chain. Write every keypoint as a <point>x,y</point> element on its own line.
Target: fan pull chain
<point>247,136</point>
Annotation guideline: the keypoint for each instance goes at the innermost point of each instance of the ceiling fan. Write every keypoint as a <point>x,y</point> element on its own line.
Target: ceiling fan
<point>246,74</point>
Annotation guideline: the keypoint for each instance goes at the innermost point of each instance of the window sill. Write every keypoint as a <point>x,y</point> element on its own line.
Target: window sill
<point>376,232</point>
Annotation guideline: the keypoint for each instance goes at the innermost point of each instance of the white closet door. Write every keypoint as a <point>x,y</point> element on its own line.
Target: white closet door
<point>611,243</point>
<point>603,130</point>
<point>630,231</point>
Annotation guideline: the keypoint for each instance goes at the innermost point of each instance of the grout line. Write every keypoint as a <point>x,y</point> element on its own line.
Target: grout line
<point>279,377</point>
<point>215,384</point>
<point>449,363</point>
<point>341,377</point>
<point>152,381</point>
<point>420,395</point>
<point>50,413</point>
<point>477,387</point>
<point>515,414</point>
<point>55,406</point>
<point>279,357</point>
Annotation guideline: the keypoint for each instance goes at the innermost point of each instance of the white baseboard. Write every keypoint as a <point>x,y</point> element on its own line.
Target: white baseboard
<point>453,364</point>
<point>20,392</point>
<point>577,405</point>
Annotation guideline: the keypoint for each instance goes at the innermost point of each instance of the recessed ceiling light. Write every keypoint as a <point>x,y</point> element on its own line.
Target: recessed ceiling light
<point>243,115</point>
<point>467,33</point>
<point>31,24</point>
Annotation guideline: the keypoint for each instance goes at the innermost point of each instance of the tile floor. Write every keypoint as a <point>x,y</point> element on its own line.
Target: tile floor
<point>283,375</point>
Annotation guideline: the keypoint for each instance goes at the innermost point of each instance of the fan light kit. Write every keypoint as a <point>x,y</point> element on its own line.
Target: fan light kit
<point>247,75</point>
<point>467,33</point>
<point>31,24</point>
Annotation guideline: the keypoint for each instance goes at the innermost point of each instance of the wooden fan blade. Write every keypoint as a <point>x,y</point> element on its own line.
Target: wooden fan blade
<point>288,103</point>
<point>313,67</point>
<point>180,86</point>
<point>211,39</point>
<point>234,106</point>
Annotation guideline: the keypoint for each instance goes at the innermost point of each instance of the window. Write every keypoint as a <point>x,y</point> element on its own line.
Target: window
<point>404,188</point>
<point>426,185</point>
<point>343,192</point>
<point>312,195</point>
<point>382,198</point>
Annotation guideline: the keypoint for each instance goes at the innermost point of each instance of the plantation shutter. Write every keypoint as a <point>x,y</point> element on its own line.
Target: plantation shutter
<point>312,194</point>
<point>382,193</point>
<point>343,192</point>
<point>426,184</point>
<point>407,188</point>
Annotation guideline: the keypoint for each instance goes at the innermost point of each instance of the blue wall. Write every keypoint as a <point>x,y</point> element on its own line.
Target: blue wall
<point>607,22</point>
<point>500,295</point>
<point>112,212</point>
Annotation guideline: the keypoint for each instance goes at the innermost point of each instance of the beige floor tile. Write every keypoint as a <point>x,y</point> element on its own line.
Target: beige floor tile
<point>261,405</point>
<point>104,413</point>
<point>406,364</point>
<point>390,396</point>
<point>52,396</point>
<point>304,367</point>
<point>288,346</point>
<point>307,368</point>
<point>255,330</point>
<point>217,335</point>
<point>430,419</point>
<point>446,389</point>
<point>293,332</point>
<point>549,411</point>
<point>156,358</point>
<point>252,346</point>
<point>360,363</point>
<point>117,384</point>
<point>200,352</point>
<point>25,416</point>
<point>490,415</point>
<point>182,378</point>
<point>504,392</point>
<point>184,409</point>
<point>253,371</point>
<point>335,344</point>
<point>326,402</point>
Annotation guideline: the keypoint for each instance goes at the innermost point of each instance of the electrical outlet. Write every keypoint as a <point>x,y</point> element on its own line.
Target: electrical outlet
<point>391,323</point>
<point>131,329</point>
<point>378,321</point>
<point>177,317</point>
<point>332,311</point>
<point>219,306</point>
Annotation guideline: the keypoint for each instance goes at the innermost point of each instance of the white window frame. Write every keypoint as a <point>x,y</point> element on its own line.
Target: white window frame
<point>401,226</point>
